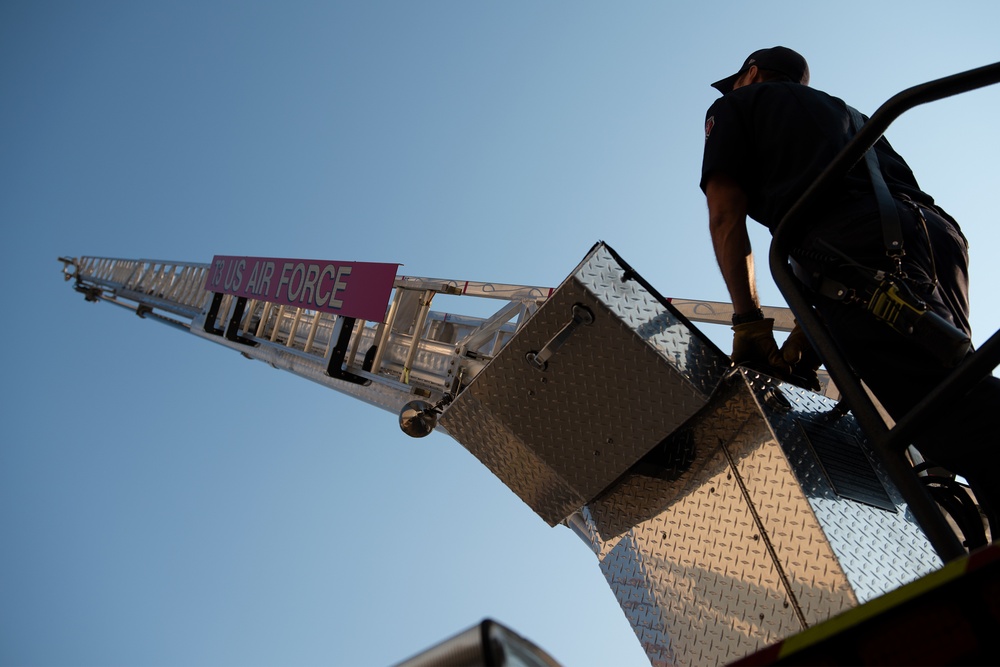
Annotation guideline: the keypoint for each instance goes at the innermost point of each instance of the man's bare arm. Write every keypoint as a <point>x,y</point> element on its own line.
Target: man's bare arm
<point>727,222</point>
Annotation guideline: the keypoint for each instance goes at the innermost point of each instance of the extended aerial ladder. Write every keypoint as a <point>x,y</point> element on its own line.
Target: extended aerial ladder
<point>671,460</point>
<point>412,353</point>
<point>729,512</point>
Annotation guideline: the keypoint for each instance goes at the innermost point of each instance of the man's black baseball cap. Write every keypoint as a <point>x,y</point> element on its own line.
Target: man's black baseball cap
<point>777,58</point>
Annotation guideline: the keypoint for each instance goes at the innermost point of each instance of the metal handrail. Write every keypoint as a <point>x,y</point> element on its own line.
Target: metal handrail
<point>885,441</point>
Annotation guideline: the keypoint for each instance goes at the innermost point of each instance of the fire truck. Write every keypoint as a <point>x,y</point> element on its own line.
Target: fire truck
<point>738,519</point>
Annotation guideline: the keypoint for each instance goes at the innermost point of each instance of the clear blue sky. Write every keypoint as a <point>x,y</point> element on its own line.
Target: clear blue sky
<point>165,502</point>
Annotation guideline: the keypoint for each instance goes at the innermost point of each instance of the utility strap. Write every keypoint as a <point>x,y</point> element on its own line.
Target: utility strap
<point>892,232</point>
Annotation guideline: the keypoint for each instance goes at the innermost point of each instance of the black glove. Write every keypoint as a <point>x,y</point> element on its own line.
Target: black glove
<point>754,347</point>
<point>800,356</point>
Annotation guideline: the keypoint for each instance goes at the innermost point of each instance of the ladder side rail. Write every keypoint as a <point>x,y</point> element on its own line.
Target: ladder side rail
<point>113,279</point>
<point>486,290</point>
<point>130,273</point>
<point>384,393</point>
<point>183,310</point>
<point>411,360</point>
<point>884,440</point>
<point>717,312</point>
<point>141,306</point>
<point>137,309</point>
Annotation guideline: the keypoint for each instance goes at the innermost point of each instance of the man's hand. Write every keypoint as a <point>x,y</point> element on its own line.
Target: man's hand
<point>754,347</point>
<point>799,354</point>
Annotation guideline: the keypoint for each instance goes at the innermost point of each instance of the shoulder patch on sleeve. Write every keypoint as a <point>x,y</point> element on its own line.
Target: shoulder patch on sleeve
<point>709,124</point>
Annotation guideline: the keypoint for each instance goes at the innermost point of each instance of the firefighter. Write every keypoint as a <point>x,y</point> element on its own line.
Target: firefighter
<point>766,140</point>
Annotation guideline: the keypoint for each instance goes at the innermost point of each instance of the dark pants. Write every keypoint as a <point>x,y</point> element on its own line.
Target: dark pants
<point>963,436</point>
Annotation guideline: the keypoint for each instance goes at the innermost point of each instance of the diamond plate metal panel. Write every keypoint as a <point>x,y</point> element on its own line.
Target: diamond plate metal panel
<point>648,315</point>
<point>700,557</point>
<point>696,581</point>
<point>877,549</point>
<point>728,536</point>
<point>611,391</point>
<point>816,582</point>
<point>503,452</point>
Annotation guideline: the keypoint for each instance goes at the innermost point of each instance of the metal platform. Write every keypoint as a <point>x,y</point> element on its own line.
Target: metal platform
<point>728,510</point>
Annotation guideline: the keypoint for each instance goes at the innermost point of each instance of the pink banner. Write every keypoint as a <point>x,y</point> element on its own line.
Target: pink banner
<point>351,289</point>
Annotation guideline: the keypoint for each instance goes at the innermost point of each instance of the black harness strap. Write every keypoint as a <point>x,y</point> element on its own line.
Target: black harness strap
<point>892,232</point>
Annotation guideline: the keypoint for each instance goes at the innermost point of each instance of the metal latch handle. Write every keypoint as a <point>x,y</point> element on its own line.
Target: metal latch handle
<point>539,360</point>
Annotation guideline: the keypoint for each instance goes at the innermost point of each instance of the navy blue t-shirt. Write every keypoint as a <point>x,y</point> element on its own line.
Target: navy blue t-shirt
<point>775,138</point>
